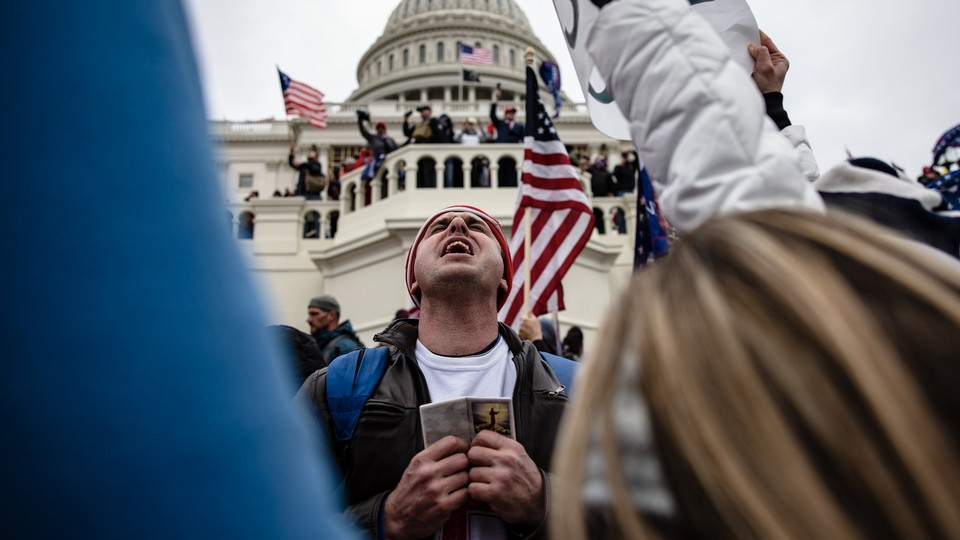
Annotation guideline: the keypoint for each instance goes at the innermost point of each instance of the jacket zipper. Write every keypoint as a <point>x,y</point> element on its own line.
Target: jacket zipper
<point>516,398</point>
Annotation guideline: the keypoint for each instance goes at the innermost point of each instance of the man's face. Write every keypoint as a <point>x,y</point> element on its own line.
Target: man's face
<point>425,114</point>
<point>459,254</point>
<point>320,320</point>
<point>312,155</point>
<point>509,116</point>
<point>381,130</point>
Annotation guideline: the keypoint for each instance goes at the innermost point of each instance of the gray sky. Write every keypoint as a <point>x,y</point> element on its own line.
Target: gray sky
<point>873,76</point>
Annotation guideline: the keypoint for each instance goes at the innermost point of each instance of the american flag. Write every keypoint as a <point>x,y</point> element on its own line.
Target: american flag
<point>303,100</point>
<point>476,56</point>
<point>561,217</point>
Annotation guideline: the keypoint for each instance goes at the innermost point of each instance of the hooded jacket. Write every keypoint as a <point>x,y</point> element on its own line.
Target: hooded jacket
<point>337,342</point>
<point>390,420</point>
<point>696,117</point>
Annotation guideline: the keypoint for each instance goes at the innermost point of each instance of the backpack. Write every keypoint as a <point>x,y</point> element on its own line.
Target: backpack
<point>351,379</point>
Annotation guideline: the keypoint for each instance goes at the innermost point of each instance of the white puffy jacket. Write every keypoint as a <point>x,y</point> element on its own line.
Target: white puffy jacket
<point>695,115</point>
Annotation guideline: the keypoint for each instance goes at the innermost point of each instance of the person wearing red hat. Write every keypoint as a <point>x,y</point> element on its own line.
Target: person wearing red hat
<point>508,129</point>
<point>380,143</point>
<point>458,272</point>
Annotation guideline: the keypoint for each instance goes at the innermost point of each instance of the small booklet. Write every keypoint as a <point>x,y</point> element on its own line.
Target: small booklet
<point>465,417</point>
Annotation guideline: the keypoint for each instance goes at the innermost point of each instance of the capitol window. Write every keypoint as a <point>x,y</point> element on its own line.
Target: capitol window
<point>423,54</point>
<point>390,63</point>
<point>440,52</point>
<point>496,54</point>
<point>513,58</point>
<point>406,57</point>
<point>246,181</point>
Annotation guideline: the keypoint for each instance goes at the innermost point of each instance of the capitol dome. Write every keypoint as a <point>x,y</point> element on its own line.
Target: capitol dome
<point>417,56</point>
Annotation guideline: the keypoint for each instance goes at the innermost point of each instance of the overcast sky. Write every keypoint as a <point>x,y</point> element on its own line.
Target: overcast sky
<point>879,77</point>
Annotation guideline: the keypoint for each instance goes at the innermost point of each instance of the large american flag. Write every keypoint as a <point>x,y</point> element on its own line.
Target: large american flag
<point>303,100</point>
<point>476,56</point>
<point>561,217</point>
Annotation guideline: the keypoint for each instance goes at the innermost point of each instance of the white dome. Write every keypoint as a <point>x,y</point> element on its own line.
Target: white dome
<point>413,11</point>
<point>418,49</point>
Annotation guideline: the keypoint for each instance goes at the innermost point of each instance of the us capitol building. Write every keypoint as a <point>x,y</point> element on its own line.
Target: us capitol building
<point>355,247</point>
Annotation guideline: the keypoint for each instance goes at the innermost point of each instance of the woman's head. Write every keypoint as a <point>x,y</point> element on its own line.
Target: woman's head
<point>800,373</point>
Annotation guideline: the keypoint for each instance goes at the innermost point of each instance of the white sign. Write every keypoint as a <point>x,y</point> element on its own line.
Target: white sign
<point>732,19</point>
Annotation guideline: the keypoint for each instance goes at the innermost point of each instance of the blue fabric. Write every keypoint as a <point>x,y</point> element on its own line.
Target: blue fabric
<point>949,139</point>
<point>949,186</point>
<point>565,370</point>
<point>141,396</point>
<point>651,240</point>
<point>550,73</point>
<point>351,379</point>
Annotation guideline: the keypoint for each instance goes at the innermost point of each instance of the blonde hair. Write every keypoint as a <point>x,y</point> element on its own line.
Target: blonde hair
<point>800,372</point>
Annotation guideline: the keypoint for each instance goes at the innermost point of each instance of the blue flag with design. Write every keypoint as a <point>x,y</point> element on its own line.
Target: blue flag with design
<point>651,239</point>
<point>550,73</point>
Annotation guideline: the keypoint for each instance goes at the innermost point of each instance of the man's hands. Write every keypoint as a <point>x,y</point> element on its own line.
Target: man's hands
<point>530,328</point>
<point>770,65</point>
<point>494,470</point>
<point>503,476</point>
<point>433,486</point>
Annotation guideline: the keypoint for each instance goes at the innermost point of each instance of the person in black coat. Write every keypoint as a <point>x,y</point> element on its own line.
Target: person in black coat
<point>508,129</point>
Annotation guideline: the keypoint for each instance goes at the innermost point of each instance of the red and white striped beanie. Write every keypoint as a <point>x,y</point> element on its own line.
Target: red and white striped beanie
<point>497,233</point>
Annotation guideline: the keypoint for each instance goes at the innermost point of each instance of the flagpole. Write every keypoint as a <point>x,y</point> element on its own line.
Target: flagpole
<point>527,270</point>
<point>528,228</point>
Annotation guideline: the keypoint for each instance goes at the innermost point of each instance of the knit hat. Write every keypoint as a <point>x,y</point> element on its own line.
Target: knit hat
<point>325,302</point>
<point>381,125</point>
<point>509,110</point>
<point>497,233</point>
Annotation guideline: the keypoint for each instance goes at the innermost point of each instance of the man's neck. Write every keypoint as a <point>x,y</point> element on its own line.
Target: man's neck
<point>452,329</point>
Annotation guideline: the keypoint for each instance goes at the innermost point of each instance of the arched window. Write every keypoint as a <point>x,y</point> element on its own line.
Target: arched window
<point>513,58</point>
<point>496,54</point>
<point>379,67</point>
<point>440,51</point>
<point>423,54</point>
<point>406,57</point>
<point>311,224</point>
<point>390,63</point>
<point>459,43</point>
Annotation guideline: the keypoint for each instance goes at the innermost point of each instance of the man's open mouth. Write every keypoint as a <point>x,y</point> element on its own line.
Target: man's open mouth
<point>457,246</point>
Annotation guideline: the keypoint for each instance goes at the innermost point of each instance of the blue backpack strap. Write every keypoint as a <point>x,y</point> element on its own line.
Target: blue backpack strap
<point>564,369</point>
<point>351,379</point>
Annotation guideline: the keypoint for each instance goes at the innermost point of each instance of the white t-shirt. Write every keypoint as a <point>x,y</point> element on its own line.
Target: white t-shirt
<point>490,374</point>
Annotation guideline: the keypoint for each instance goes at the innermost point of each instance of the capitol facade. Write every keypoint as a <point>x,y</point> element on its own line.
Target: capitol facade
<point>355,247</point>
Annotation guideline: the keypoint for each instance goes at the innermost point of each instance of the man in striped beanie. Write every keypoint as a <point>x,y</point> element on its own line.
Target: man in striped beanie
<point>493,485</point>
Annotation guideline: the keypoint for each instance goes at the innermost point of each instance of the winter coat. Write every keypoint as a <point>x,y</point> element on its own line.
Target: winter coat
<point>337,342</point>
<point>390,420</point>
<point>696,117</point>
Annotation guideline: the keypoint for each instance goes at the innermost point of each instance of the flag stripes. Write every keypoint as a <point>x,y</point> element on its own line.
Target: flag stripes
<point>560,214</point>
<point>476,56</point>
<point>303,100</point>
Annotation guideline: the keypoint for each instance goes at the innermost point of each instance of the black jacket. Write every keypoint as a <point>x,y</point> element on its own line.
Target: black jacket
<point>390,421</point>
<point>378,144</point>
<point>505,132</point>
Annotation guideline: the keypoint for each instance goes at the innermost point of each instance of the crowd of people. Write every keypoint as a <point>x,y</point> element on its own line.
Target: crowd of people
<point>788,371</point>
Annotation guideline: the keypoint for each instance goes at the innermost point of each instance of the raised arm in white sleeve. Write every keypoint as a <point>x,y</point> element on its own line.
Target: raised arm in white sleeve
<point>695,115</point>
